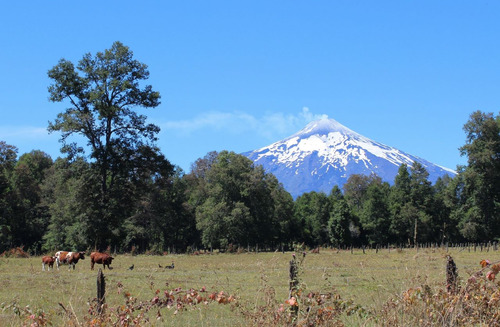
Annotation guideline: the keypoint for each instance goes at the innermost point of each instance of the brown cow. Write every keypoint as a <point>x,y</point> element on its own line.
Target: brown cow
<point>69,258</point>
<point>102,258</point>
<point>48,260</point>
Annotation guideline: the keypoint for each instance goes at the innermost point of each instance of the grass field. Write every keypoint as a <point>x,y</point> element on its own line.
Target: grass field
<point>369,280</point>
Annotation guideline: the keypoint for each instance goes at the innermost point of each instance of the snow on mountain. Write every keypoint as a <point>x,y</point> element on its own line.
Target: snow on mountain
<point>325,153</point>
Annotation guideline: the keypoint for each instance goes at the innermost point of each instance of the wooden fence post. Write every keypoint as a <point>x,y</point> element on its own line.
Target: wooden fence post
<point>451,275</point>
<point>101,291</point>
<point>293,278</point>
<point>294,282</point>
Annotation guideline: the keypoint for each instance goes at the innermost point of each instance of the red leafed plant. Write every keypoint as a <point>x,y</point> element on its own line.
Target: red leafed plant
<point>133,312</point>
<point>474,303</point>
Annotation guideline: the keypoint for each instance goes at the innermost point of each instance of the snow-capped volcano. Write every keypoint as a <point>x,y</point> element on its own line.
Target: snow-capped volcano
<point>325,153</point>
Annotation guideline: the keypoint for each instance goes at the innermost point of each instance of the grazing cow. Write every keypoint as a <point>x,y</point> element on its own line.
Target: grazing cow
<point>102,258</point>
<point>48,260</point>
<point>69,258</point>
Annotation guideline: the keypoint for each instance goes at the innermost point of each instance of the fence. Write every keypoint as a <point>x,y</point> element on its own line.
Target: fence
<point>470,247</point>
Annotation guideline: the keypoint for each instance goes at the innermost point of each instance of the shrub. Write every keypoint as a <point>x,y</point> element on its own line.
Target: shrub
<point>302,308</point>
<point>472,304</point>
<point>134,312</point>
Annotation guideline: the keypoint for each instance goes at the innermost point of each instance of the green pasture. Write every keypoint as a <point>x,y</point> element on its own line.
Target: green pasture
<point>368,279</point>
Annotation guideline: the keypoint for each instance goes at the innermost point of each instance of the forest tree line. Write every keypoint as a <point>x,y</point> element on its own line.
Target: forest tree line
<point>118,190</point>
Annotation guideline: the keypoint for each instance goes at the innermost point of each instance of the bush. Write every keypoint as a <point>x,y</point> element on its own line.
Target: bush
<point>472,304</point>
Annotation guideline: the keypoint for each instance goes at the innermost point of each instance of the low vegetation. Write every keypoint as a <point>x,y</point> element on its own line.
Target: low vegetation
<point>389,287</point>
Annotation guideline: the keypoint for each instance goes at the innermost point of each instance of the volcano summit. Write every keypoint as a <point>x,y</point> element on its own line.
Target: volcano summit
<point>325,153</point>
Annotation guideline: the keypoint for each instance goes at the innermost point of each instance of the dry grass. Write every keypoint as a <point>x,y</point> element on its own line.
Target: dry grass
<point>370,280</point>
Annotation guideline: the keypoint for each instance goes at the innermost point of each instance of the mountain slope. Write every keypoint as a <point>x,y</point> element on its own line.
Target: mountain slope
<point>325,153</point>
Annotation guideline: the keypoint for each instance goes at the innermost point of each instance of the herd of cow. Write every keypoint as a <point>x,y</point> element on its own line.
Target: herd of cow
<point>72,258</point>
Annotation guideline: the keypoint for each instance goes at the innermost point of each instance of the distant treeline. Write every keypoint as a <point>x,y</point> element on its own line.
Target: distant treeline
<point>124,194</point>
<point>226,202</point>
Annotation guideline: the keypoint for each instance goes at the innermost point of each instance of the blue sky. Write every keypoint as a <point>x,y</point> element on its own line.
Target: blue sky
<point>239,75</point>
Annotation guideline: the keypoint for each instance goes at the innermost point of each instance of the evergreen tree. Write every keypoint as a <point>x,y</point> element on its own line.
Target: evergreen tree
<point>421,197</point>
<point>411,206</point>
<point>375,214</point>
<point>445,229</point>
<point>340,220</point>
<point>399,202</point>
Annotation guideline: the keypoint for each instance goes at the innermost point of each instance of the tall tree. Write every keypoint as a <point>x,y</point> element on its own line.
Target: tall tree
<point>162,220</point>
<point>103,92</point>
<point>375,215</point>
<point>236,203</point>
<point>69,191</point>
<point>480,217</point>
<point>411,205</point>
<point>399,202</point>
<point>8,159</point>
<point>271,205</point>
<point>341,219</point>
<point>312,210</point>
<point>355,189</point>
<point>283,224</point>
<point>446,228</point>
<point>31,217</point>
<point>422,198</point>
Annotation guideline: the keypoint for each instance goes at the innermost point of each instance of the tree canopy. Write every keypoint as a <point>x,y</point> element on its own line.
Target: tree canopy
<point>480,214</point>
<point>237,203</point>
<point>104,91</point>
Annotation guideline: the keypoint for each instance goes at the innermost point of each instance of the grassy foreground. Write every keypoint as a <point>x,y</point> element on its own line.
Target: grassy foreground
<point>368,280</point>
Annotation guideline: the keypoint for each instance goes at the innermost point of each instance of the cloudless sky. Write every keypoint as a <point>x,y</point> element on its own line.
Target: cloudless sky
<point>240,75</point>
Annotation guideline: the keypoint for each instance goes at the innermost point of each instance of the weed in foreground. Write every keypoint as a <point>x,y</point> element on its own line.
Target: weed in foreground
<point>134,312</point>
<point>27,315</point>
<point>475,303</point>
<point>302,308</point>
